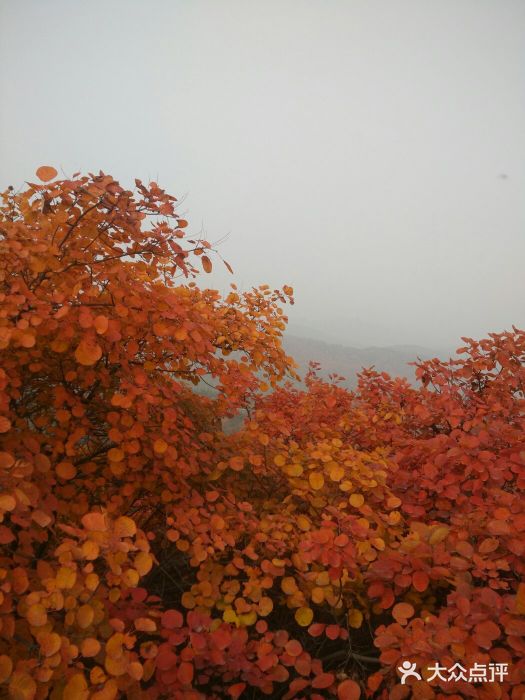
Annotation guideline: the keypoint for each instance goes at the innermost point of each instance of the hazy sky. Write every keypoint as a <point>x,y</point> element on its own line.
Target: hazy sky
<point>371,153</point>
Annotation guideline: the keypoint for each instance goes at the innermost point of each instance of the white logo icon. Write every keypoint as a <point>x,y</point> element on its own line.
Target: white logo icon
<point>408,670</point>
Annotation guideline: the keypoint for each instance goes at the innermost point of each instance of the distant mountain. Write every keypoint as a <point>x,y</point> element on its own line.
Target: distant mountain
<point>349,361</point>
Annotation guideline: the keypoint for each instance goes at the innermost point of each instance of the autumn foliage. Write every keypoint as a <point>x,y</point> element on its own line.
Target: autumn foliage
<point>146,553</point>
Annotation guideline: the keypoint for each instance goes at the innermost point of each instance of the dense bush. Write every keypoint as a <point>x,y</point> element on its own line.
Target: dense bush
<point>147,554</point>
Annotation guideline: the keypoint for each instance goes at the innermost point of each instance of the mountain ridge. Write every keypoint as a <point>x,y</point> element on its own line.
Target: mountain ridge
<point>348,361</point>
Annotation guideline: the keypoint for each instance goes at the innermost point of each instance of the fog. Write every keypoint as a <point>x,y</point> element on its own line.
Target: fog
<point>370,153</point>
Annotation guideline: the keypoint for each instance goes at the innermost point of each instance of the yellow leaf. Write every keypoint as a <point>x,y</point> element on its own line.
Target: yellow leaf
<point>288,585</point>
<point>316,480</point>
<point>355,618</point>
<point>438,535</point>
<point>91,582</point>
<point>304,616</point>
<point>66,577</point>
<point>230,616</point>
<point>322,578</point>
<point>394,517</point>
<point>356,500</point>
<point>188,600</point>
<point>143,563</point>
<point>303,523</point>
<point>130,578</point>
<point>248,619</point>
<point>317,595</point>
<point>293,469</point>
<point>160,446</point>
<point>336,473</point>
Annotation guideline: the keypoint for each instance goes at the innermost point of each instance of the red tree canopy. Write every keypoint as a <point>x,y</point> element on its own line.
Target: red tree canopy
<point>147,554</point>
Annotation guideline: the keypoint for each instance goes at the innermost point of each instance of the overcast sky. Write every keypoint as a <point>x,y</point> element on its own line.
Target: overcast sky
<point>371,153</point>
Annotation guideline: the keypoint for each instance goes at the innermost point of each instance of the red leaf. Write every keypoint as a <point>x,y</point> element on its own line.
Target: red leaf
<point>348,690</point>
<point>323,680</point>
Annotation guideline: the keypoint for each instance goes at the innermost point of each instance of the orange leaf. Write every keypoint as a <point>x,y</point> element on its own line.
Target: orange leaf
<point>101,324</point>
<point>348,690</point>
<point>85,616</point>
<point>76,688</point>
<point>22,686</point>
<point>323,680</point>
<point>41,518</point>
<point>438,535</point>
<point>289,585</point>
<point>420,581</point>
<point>144,624</point>
<point>160,446</point>
<point>45,173</point>
<point>236,463</point>
<point>66,470</point>
<point>6,668</point>
<point>124,527</point>
<point>50,643</point>
<point>293,648</point>
<point>7,502</point>
<point>88,352</point>
<point>402,611</point>
<point>206,263</point>
<point>95,522</point>
<point>217,522</point>
<point>236,690</point>
<point>520,600</point>
<point>90,647</point>
<point>36,615</point>
<point>6,460</point>
<point>185,673</point>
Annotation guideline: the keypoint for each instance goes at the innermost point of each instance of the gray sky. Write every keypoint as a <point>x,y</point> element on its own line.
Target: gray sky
<point>354,149</point>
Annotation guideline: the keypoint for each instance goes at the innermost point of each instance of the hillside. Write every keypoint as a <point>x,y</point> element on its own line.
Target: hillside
<point>348,361</point>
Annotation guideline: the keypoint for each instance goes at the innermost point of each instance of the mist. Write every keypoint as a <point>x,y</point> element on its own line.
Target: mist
<point>371,154</point>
